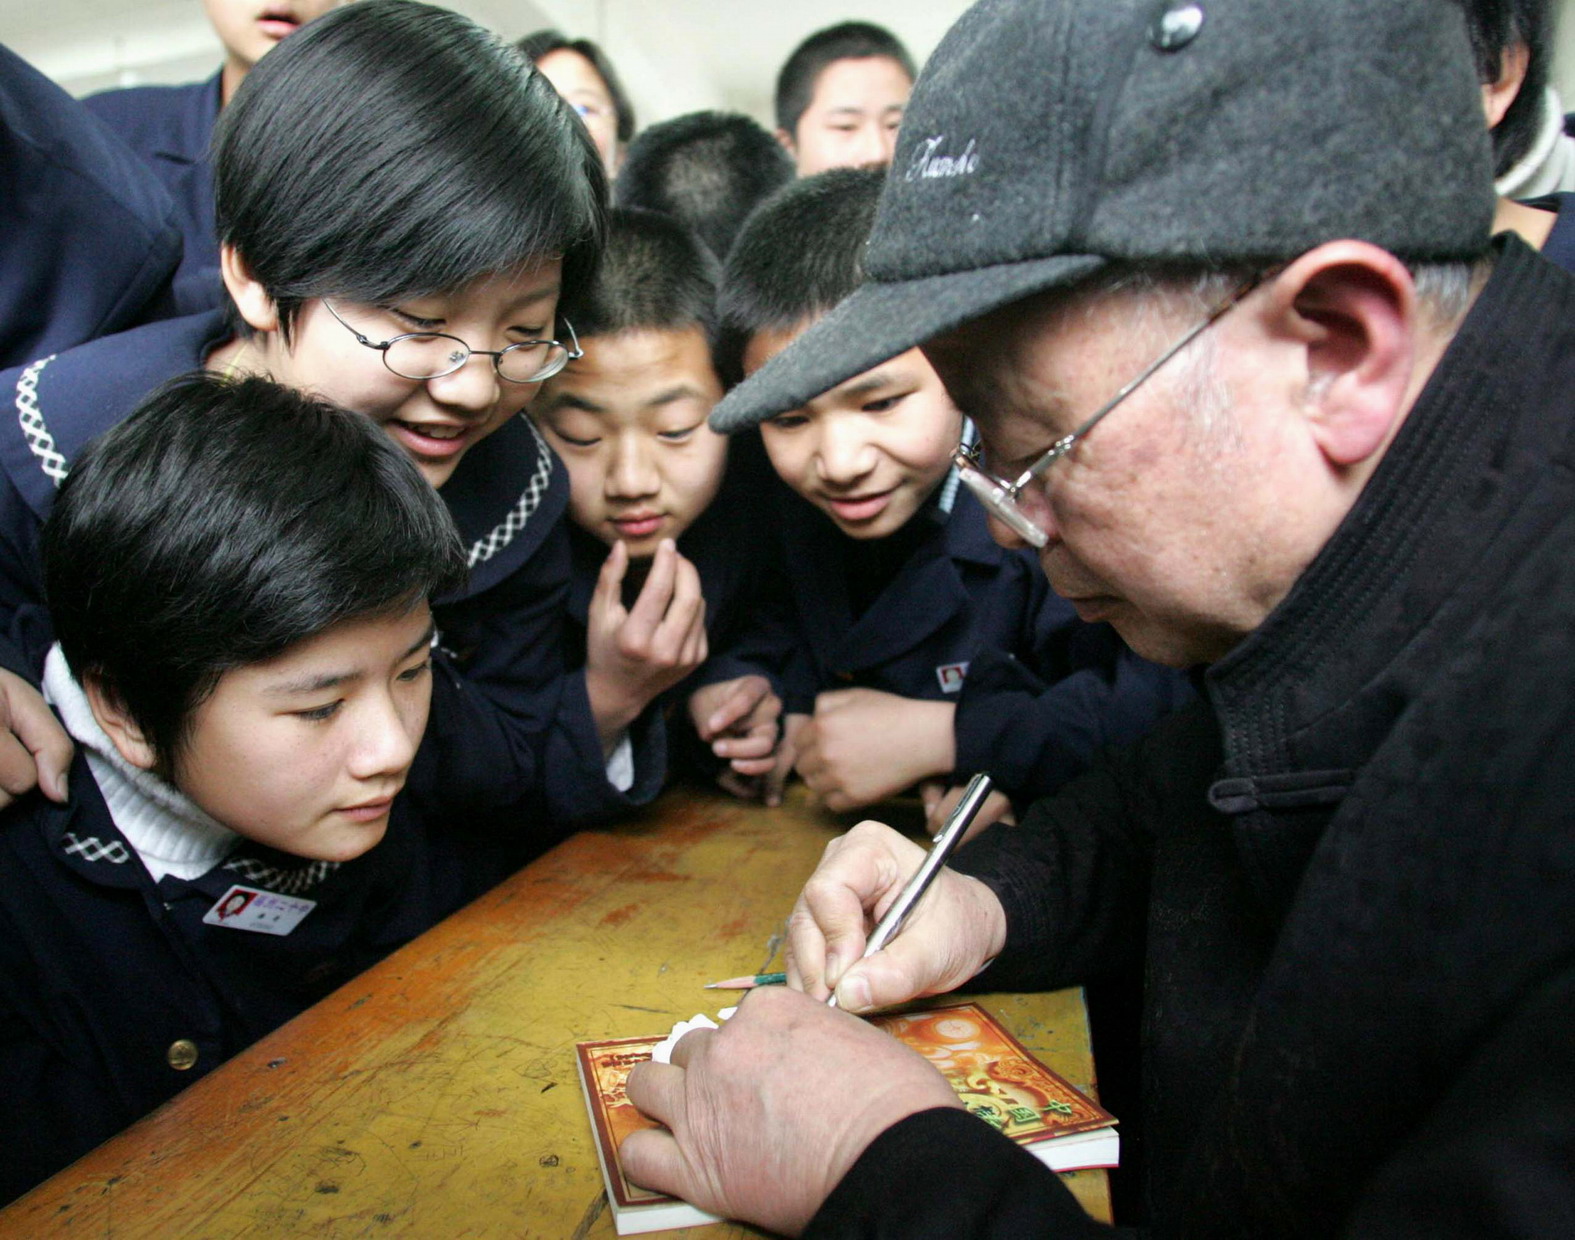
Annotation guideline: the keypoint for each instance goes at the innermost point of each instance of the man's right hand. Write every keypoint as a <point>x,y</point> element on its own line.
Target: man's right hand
<point>952,933</point>
<point>34,749</point>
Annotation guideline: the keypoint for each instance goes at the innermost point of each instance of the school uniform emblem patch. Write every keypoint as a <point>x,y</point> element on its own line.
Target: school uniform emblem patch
<point>951,676</point>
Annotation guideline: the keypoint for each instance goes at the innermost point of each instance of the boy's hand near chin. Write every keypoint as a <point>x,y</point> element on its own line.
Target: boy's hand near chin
<point>865,745</point>
<point>634,654</point>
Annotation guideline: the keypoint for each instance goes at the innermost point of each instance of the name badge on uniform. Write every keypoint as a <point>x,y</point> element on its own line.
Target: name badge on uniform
<point>262,912</point>
<point>951,676</point>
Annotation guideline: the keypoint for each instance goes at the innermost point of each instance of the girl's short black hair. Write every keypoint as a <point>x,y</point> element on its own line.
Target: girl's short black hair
<point>799,254</point>
<point>393,149</point>
<point>708,169</point>
<point>222,523</point>
<point>540,43</point>
<point>655,275</point>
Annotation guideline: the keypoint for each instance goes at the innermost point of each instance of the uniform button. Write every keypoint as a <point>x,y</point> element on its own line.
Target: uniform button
<point>1175,26</point>
<point>182,1054</point>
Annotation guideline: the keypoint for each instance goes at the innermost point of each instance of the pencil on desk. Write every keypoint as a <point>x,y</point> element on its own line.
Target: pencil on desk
<point>749,983</point>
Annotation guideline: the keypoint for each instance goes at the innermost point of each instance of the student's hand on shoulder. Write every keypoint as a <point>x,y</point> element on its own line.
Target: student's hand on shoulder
<point>35,750</point>
<point>738,718</point>
<point>864,745</point>
<point>634,654</point>
<point>765,1115</point>
<point>940,800</point>
<point>954,932</point>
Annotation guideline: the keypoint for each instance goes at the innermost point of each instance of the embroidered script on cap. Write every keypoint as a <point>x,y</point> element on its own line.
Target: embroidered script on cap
<point>929,162</point>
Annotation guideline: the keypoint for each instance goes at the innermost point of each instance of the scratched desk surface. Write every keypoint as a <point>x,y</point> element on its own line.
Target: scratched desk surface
<point>436,1095</point>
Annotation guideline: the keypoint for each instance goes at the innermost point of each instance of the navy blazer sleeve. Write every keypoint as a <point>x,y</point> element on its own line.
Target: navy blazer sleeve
<point>90,239</point>
<point>1037,716</point>
<point>511,729</point>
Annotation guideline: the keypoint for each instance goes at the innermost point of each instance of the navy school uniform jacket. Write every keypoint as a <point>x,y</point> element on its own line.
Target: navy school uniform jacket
<point>510,734</point>
<point>1559,248</point>
<point>965,620</point>
<point>103,971</point>
<point>170,128</point>
<point>90,238</point>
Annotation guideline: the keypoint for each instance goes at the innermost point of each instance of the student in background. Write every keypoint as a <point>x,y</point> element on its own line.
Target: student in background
<point>1513,41</point>
<point>840,97</point>
<point>91,238</point>
<point>930,652</point>
<point>361,254</point>
<point>582,74</point>
<point>171,126</point>
<point>649,479</point>
<point>706,169</point>
<point>241,580</point>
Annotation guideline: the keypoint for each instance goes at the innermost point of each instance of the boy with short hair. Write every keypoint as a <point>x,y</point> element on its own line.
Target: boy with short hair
<point>649,479</point>
<point>240,578</point>
<point>932,652</point>
<point>706,169</point>
<point>840,97</point>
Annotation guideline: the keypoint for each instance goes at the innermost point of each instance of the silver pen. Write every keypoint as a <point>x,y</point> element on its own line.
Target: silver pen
<point>946,841</point>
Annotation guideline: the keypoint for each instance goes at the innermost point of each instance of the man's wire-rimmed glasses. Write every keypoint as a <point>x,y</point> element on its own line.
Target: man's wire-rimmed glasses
<point>999,496</point>
<point>431,355</point>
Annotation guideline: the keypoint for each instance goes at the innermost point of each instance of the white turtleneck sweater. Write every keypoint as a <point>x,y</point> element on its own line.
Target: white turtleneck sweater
<point>1549,166</point>
<point>170,834</point>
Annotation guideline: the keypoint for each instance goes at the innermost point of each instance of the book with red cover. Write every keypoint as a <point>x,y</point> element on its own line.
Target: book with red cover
<point>994,1075</point>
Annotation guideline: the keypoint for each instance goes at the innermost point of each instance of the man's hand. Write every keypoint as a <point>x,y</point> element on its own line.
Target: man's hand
<point>768,1113</point>
<point>34,749</point>
<point>633,654</point>
<point>939,801</point>
<point>864,745</point>
<point>738,719</point>
<point>957,929</point>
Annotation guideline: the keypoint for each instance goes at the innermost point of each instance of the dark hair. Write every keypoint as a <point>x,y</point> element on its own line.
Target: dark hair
<point>655,275</point>
<point>847,41</point>
<point>799,254</point>
<point>1494,27</point>
<point>394,149</point>
<point>221,523</point>
<point>544,42</point>
<point>708,169</point>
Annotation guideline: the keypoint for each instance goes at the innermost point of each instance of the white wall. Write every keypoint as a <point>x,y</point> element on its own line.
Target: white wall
<point>674,55</point>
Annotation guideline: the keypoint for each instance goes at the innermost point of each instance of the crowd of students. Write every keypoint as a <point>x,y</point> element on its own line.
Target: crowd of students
<point>389,515</point>
<point>391,213</point>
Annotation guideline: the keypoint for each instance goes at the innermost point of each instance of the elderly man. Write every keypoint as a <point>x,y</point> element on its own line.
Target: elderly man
<point>1214,280</point>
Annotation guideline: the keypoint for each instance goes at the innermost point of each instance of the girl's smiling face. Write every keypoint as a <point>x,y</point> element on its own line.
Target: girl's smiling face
<point>436,421</point>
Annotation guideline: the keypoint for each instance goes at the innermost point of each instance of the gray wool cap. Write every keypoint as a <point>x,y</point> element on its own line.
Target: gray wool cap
<point>1047,138</point>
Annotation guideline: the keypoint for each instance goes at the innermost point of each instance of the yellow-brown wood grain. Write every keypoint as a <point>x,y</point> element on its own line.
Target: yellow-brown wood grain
<point>436,1095</point>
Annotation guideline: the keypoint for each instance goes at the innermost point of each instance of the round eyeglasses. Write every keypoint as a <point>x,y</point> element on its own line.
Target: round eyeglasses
<point>431,355</point>
<point>1001,498</point>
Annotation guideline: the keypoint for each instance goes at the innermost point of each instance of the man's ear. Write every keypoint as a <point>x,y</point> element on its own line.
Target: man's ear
<point>1499,94</point>
<point>121,729</point>
<point>1352,308</point>
<point>249,296</point>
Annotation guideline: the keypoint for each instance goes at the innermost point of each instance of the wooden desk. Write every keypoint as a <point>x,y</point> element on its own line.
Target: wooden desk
<point>436,1094</point>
